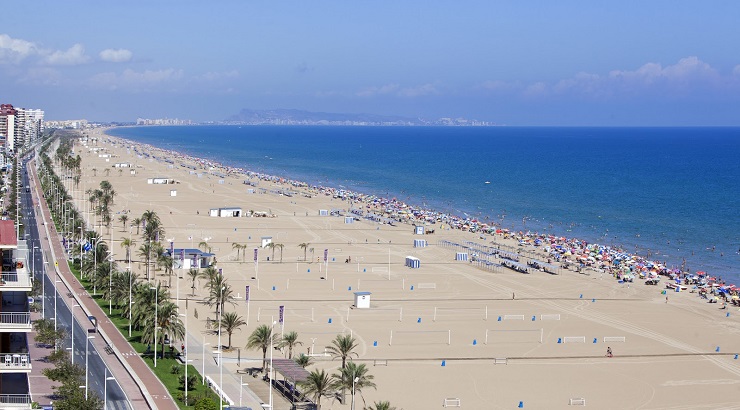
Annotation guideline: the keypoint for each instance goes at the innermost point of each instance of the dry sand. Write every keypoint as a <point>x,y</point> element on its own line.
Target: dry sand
<point>668,358</point>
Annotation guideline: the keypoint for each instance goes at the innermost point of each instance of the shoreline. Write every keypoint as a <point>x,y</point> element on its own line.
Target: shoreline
<point>426,215</point>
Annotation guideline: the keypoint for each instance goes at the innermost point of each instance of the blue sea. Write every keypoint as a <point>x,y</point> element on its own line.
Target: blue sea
<point>670,192</point>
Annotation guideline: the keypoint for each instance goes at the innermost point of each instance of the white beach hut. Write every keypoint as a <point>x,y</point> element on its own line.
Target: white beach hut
<point>419,230</point>
<point>323,212</point>
<point>266,240</point>
<point>349,219</point>
<point>420,243</point>
<point>461,256</point>
<point>362,300</point>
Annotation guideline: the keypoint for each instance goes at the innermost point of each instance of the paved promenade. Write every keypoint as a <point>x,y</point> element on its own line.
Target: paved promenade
<point>141,386</point>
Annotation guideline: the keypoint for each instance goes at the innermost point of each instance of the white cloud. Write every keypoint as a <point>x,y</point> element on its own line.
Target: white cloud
<point>421,90</point>
<point>136,80</point>
<point>686,76</point>
<point>72,56</point>
<point>217,76</point>
<point>382,90</point>
<point>397,90</point>
<point>120,55</point>
<point>13,50</point>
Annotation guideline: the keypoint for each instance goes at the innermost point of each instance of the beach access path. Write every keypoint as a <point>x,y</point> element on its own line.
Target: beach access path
<point>141,386</point>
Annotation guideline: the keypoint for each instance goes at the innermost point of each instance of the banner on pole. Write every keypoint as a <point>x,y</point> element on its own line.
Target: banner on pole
<point>282,310</point>
<point>326,254</point>
<point>255,254</point>
<point>246,294</point>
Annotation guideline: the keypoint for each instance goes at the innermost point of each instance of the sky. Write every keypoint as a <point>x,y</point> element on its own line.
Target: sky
<point>526,63</point>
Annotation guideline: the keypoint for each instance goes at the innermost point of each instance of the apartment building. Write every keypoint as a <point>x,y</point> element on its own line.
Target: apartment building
<point>15,320</point>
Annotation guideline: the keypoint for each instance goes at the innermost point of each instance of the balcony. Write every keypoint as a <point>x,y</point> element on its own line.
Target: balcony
<point>17,279</point>
<point>15,363</point>
<point>15,401</point>
<point>15,322</point>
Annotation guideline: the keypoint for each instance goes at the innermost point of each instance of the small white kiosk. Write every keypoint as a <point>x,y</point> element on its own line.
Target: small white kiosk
<point>362,300</point>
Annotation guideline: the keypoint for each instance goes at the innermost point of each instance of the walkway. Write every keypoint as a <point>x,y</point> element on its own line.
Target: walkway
<point>142,387</point>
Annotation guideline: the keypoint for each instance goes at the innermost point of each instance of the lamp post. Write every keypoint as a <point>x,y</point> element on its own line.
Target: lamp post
<point>73,332</point>
<point>156,321</point>
<point>55,308</point>
<point>43,287</point>
<point>185,343</point>
<point>110,279</point>
<point>87,368</point>
<point>220,353</point>
<point>355,380</point>
<point>241,389</point>
<point>269,375</point>
<point>105,389</point>
<point>130,283</point>
<point>203,360</point>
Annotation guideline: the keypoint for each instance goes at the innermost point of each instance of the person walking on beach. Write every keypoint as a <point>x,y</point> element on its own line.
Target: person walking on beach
<point>608,352</point>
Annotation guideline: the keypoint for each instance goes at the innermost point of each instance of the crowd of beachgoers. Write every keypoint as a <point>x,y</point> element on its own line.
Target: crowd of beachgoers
<point>623,266</point>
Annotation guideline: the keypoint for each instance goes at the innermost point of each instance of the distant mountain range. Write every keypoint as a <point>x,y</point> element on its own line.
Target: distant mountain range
<point>300,117</point>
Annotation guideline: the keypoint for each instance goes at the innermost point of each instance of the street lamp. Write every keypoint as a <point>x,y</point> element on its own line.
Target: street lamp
<point>241,389</point>
<point>43,287</point>
<point>73,332</point>
<point>355,380</point>
<point>186,356</point>
<point>130,282</point>
<point>221,351</point>
<point>203,360</point>
<point>272,330</point>
<point>156,321</point>
<point>105,389</point>
<point>87,368</point>
<point>55,306</point>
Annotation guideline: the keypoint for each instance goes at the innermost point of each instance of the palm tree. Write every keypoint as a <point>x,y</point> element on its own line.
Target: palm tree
<point>318,384</point>
<point>137,222</point>
<point>120,288</point>
<point>303,360</point>
<point>205,246</point>
<point>123,218</point>
<point>231,322</point>
<point>342,347</point>
<point>168,321</point>
<point>95,171</point>
<point>238,248</point>
<point>166,261</point>
<point>381,405</point>
<point>279,246</point>
<point>193,274</point>
<point>271,245</point>
<point>261,338</point>
<point>290,340</point>
<point>304,246</point>
<point>353,378</point>
<point>107,172</point>
<point>128,243</point>
<point>220,292</point>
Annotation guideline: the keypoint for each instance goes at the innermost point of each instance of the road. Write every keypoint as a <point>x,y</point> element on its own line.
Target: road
<point>98,371</point>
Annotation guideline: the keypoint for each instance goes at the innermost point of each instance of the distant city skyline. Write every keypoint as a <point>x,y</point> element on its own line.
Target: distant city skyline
<point>507,62</point>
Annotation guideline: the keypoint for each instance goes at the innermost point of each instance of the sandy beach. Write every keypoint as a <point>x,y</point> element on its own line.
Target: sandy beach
<point>447,330</point>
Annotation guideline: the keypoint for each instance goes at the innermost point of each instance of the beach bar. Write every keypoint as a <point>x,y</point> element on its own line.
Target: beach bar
<point>190,258</point>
